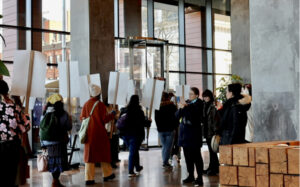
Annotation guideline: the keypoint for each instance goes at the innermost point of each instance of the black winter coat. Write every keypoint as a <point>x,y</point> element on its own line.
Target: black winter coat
<point>135,123</point>
<point>165,118</point>
<point>211,120</point>
<point>190,132</point>
<point>234,121</point>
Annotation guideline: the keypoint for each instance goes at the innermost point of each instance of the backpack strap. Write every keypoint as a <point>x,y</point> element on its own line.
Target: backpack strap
<point>96,103</point>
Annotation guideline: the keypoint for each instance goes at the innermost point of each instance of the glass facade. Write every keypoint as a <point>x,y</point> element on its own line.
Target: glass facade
<point>166,22</point>
<point>195,38</point>
<point>198,42</point>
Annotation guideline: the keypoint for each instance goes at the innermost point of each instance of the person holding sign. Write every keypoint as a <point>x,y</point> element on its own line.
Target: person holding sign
<point>166,123</point>
<point>11,125</point>
<point>131,125</point>
<point>190,135</point>
<point>97,146</point>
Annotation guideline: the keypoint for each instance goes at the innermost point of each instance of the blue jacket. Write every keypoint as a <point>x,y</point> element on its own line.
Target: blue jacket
<point>190,131</point>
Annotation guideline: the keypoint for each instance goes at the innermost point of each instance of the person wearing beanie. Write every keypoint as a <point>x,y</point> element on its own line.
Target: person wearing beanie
<point>97,145</point>
<point>11,126</point>
<point>54,128</point>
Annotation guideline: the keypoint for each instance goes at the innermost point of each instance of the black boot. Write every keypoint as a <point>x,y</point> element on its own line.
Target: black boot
<point>189,179</point>
<point>111,177</point>
<point>198,181</point>
<point>91,182</point>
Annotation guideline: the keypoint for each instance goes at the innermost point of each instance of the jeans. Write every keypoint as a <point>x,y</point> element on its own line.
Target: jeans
<point>133,144</point>
<point>166,139</point>
<point>193,158</point>
<point>213,158</point>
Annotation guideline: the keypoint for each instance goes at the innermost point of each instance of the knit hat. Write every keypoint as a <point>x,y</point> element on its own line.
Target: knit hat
<point>95,90</point>
<point>54,98</point>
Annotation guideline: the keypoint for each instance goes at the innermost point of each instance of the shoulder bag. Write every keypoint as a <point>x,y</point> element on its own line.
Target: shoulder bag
<point>84,126</point>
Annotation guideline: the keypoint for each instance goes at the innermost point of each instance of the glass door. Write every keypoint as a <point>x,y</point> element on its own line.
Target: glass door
<point>142,59</point>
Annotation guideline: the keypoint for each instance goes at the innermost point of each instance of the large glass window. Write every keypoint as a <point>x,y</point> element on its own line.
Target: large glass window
<point>55,18</point>
<point>199,52</point>
<point>166,22</point>
<point>121,19</point>
<point>222,40</point>
<point>193,22</point>
<point>56,15</point>
<point>144,19</point>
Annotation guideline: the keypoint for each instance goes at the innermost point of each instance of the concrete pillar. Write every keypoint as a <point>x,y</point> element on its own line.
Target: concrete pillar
<point>240,42</point>
<point>92,33</point>
<point>274,50</point>
<point>133,17</point>
<point>36,7</point>
<point>21,18</point>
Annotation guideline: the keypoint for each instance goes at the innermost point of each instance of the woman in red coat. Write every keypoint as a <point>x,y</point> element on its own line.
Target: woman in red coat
<point>97,146</point>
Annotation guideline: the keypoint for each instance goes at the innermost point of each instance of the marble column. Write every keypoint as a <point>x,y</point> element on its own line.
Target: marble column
<point>92,33</point>
<point>240,42</point>
<point>274,54</point>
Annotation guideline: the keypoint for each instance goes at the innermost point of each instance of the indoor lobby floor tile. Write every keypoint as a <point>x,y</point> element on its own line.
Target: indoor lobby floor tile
<point>153,174</point>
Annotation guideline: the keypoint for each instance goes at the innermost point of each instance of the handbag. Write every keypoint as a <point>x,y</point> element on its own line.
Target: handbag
<point>84,126</point>
<point>121,123</point>
<point>42,161</point>
<point>215,142</point>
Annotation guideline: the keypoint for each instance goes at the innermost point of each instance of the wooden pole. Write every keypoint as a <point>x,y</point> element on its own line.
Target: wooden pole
<point>89,79</point>
<point>114,104</point>
<point>89,82</point>
<point>29,81</point>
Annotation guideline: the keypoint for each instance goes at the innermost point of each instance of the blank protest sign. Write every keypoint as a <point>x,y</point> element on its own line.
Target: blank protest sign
<point>118,82</point>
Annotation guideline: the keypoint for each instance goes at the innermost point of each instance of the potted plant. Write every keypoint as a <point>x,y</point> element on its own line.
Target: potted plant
<point>221,91</point>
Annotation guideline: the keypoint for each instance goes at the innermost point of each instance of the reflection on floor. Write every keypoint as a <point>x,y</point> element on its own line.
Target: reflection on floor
<point>153,174</point>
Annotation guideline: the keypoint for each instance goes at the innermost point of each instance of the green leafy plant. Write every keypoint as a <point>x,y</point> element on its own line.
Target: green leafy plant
<point>3,69</point>
<point>224,82</point>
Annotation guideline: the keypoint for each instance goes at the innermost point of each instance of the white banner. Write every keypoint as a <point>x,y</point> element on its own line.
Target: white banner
<point>118,87</point>
<point>21,74</point>
<point>74,79</point>
<point>147,93</point>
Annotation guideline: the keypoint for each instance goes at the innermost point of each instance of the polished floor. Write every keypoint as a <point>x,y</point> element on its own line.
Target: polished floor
<point>153,174</point>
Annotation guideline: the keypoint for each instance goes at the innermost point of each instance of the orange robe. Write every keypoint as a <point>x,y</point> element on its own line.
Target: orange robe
<point>97,147</point>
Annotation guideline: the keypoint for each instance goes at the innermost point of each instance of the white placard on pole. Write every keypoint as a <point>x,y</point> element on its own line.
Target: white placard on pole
<point>117,88</point>
<point>29,73</point>
<point>131,90</point>
<point>183,91</point>
<point>149,95</point>
<point>20,75</point>
<point>85,81</point>
<point>74,79</point>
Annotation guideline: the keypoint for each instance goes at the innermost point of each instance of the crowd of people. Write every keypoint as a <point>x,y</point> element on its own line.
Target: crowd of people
<point>180,124</point>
